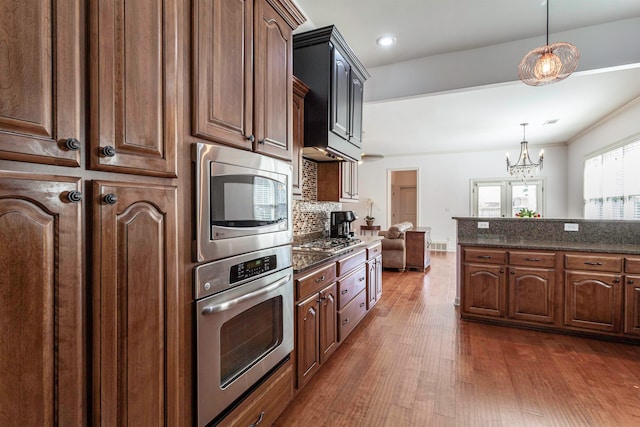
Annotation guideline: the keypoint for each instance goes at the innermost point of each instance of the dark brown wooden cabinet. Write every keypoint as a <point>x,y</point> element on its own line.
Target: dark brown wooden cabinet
<point>316,331</point>
<point>135,305</point>
<point>632,305</point>
<point>374,273</point>
<point>593,301</point>
<point>338,182</point>
<point>242,68</point>
<point>40,81</point>
<point>532,294</point>
<point>42,351</point>
<point>484,290</point>
<point>134,86</point>
<point>418,244</point>
<point>300,90</point>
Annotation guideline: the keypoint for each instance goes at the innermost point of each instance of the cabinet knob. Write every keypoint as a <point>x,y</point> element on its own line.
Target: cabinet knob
<point>108,151</point>
<point>345,321</point>
<point>361,279</point>
<point>361,304</point>
<point>251,138</point>
<point>72,144</point>
<point>616,280</point>
<point>110,199</point>
<point>501,270</point>
<point>320,279</point>
<point>74,196</point>
<point>513,272</point>
<point>344,291</point>
<point>630,282</point>
<point>261,141</point>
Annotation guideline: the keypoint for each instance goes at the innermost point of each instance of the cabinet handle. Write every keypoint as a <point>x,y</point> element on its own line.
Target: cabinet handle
<point>484,256</point>
<point>617,280</point>
<point>513,272</point>
<point>344,291</point>
<point>110,199</point>
<point>532,259</point>
<point>259,420</point>
<point>361,279</point>
<point>72,144</point>
<point>74,196</point>
<point>501,271</point>
<point>345,321</point>
<point>592,263</point>
<point>630,282</point>
<point>251,138</point>
<point>361,304</point>
<point>320,279</point>
<point>108,151</point>
<point>261,141</point>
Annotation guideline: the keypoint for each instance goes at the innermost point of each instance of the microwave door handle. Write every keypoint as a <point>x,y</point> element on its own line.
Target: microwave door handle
<point>216,308</point>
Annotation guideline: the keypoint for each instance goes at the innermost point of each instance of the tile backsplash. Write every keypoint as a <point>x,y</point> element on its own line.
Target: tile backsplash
<point>309,215</point>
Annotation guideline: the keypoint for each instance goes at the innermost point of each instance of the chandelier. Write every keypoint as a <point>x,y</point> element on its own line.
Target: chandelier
<point>524,167</point>
<point>549,63</point>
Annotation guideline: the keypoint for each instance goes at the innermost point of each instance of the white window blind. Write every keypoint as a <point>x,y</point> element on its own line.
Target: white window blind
<point>612,184</point>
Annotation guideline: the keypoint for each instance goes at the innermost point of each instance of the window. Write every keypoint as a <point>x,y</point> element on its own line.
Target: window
<point>612,184</point>
<point>505,198</point>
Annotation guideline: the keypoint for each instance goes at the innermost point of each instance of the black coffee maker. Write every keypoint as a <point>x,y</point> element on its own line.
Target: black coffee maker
<point>341,224</point>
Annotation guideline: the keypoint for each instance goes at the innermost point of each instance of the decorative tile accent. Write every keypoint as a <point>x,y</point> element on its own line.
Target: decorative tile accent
<point>309,215</point>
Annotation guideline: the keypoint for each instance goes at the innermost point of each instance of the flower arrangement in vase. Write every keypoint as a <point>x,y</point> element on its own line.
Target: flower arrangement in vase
<point>526,213</point>
<point>369,219</point>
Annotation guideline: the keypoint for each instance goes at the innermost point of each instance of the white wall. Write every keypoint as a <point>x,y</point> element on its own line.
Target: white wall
<point>443,185</point>
<point>623,126</point>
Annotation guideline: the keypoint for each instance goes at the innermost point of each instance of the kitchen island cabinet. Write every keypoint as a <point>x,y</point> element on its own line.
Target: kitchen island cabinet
<point>589,293</point>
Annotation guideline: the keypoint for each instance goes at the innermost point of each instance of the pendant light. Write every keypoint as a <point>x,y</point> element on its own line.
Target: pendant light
<point>524,167</point>
<point>549,63</point>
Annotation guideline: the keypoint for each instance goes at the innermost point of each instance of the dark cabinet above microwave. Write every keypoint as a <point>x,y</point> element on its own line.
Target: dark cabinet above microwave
<point>333,106</point>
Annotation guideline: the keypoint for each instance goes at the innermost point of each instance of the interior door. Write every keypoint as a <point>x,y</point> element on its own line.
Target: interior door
<point>408,205</point>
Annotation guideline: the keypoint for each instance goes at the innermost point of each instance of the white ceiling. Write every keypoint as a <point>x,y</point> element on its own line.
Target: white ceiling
<point>479,117</point>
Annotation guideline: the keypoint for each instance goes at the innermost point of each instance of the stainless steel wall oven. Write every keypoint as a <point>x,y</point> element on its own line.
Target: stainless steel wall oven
<point>244,325</point>
<point>243,202</point>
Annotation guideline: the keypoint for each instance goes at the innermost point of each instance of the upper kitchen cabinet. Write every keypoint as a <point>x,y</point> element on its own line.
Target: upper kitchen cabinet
<point>40,75</point>
<point>333,107</point>
<point>242,66</point>
<point>134,86</point>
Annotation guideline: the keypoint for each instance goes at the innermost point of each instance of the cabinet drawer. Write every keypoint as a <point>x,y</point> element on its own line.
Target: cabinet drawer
<point>351,261</point>
<point>532,259</point>
<point>490,256</point>
<point>314,281</point>
<point>375,250</point>
<point>270,400</point>
<point>351,315</point>
<point>349,286</point>
<point>632,265</point>
<point>593,263</point>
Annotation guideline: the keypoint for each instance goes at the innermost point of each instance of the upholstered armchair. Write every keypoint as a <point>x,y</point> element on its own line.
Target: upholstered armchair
<point>394,254</point>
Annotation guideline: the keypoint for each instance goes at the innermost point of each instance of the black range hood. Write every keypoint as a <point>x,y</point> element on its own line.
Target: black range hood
<point>333,105</point>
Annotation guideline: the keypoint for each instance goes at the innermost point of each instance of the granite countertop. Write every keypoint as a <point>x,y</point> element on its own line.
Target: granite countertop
<point>306,260</point>
<point>552,245</point>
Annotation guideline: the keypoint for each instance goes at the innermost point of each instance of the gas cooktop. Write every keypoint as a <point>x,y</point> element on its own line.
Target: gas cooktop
<point>327,246</point>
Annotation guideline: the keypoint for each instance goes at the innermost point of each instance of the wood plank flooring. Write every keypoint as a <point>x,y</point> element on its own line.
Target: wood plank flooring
<point>413,362</point>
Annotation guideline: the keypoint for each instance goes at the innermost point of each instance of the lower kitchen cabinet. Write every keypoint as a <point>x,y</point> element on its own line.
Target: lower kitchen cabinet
<point>593,301</point>
<point>632,305</point>
<point>135,305</point>
<point>267,402</point>
<point>42,347</point>
<point>317,332</point>
<point>374,281</point>
<point>532,294</point>
<point>352,300</point>
<point>484,290</point>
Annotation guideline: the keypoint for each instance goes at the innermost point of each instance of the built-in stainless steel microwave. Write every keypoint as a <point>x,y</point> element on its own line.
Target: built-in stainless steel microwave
<point>243,202</point>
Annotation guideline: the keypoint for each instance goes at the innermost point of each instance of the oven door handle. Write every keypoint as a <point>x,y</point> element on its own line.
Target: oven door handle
<point>216,308</point>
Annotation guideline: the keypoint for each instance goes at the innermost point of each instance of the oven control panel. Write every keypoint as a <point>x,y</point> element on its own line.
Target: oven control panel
<point>254,267</point>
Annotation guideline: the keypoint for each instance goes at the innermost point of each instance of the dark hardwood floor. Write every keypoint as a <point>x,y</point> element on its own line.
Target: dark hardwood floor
<point>413,362</point>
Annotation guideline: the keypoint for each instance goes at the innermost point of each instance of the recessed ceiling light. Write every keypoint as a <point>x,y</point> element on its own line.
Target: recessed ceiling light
<point>386,40</point>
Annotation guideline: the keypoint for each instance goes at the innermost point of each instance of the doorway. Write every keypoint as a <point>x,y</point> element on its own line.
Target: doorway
<point>403,188</point>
